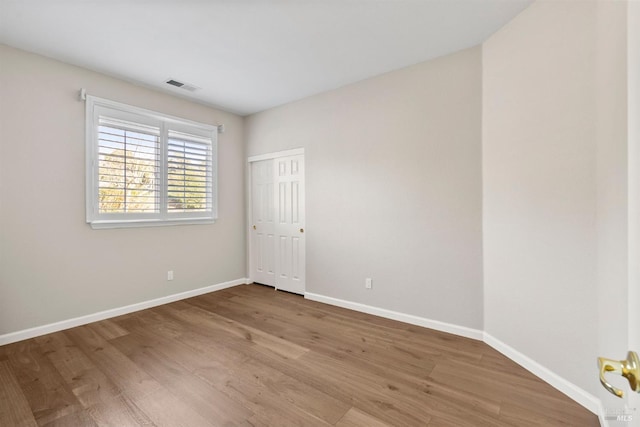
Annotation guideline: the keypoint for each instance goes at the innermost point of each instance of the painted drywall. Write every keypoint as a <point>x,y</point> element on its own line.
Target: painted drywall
<point>53,266</point>
<point>393,187</point>
<point>554,184</point>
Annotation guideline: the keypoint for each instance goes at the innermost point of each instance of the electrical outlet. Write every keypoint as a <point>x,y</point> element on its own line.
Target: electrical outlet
<point>170,275</point>
<point>367,283</point>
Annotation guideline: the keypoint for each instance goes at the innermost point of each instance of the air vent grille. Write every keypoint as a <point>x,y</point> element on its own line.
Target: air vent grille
<point>182,85</point>
<point>175,83</point>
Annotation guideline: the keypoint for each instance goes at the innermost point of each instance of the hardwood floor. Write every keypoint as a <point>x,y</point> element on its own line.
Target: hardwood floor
<point>251,356</point>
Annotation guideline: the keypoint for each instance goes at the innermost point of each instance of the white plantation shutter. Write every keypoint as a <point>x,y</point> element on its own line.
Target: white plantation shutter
<point>189,173</point>
<point>128,167</point>
<point>147,168</point>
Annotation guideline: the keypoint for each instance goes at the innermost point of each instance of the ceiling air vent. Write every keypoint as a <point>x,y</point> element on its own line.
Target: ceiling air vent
<point>182,85</point>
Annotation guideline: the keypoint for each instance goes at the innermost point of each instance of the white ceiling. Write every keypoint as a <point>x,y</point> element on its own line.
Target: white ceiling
<point>249,55</point>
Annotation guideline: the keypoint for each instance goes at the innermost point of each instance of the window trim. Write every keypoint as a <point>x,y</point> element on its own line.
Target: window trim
<point>93,107</point>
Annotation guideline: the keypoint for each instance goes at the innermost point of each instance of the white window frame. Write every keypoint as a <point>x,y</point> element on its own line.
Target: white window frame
<point>95,107</point>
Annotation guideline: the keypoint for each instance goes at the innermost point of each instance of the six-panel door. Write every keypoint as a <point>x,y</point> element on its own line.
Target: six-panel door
<point>289,226</point>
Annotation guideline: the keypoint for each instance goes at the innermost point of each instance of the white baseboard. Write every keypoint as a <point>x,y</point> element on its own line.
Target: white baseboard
<point>402,317</point>
<point>601,415</point>
<point>106,314</point>
<point>576,393</point>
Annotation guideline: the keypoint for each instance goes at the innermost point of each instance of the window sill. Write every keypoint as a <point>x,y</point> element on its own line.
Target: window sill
<point>104,224</point>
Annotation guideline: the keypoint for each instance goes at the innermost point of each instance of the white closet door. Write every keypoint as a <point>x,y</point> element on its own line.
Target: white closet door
<point>289,224</point>
<point>263,245</point>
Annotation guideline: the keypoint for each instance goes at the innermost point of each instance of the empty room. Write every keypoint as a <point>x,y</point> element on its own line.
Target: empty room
<point>320,213</point>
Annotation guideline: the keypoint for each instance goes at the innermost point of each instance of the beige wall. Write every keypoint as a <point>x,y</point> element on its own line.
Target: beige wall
<point>554,183</point>
<point>393,187</point>
<point>53,266</point>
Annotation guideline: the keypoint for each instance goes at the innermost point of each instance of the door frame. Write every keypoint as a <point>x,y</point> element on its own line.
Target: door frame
<point>633,195</point>
<point>248,198</point>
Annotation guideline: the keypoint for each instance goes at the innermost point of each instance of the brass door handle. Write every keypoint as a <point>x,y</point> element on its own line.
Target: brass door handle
<point>302,230</point>
<point>254,227</point>
<point>629,368</point>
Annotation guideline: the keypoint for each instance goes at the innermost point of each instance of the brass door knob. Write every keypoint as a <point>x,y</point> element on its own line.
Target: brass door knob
<point>254,227</point>
<point>302,230</point>
<point>629,368</point>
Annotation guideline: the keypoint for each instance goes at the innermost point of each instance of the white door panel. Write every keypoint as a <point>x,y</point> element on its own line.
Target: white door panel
<point>262,230</point>
<point>633,73</point>
<point>290,225</point>
<point>627,412</point>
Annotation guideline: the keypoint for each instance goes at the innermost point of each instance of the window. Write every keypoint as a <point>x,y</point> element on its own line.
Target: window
<point>146,168</point>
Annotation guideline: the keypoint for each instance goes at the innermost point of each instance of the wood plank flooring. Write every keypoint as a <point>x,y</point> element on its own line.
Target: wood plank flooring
<point>251,356</point>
